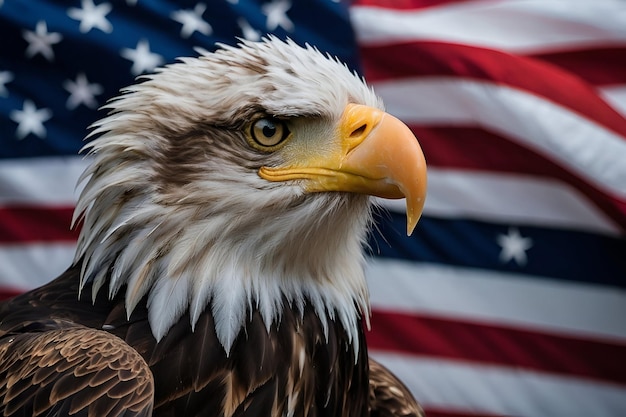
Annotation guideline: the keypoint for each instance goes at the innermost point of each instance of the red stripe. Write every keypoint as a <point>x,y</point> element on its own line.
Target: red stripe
<point>22,224</point>
<point>600,66</point>
<point>477,149</point>
<point>405,4</point>
<point>418,59</point>
<point>6,293</point>
<point>491,344</point>
<point>439,412</point>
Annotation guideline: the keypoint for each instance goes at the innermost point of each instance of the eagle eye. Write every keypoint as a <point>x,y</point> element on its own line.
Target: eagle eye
<point>268,132</point>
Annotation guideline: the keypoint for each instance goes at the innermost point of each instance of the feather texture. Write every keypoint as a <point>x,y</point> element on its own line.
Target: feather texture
<point>389,397</point>
<point>73,370</point>
<point>189,371</point>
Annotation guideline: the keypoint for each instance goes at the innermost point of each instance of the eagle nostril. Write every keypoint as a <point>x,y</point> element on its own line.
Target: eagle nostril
<point>359,131</point>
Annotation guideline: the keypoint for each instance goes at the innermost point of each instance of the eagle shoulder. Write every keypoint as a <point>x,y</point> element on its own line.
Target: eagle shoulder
<point>67,369</point>
<point>388,396</point>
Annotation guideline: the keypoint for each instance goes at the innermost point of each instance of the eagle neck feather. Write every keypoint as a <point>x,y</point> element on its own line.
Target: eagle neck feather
<point>184,258</point>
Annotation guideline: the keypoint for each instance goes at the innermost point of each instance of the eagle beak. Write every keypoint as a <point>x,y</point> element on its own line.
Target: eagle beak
<point>374,154</point>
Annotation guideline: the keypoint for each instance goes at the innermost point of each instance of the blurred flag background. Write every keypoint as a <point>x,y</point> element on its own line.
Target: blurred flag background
<point>510,297</point>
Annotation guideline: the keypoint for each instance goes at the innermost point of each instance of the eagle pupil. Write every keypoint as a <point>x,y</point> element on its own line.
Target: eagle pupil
<point>269,130</point>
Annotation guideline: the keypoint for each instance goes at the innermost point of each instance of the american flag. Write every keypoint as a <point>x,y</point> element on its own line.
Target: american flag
<point>509,299</point>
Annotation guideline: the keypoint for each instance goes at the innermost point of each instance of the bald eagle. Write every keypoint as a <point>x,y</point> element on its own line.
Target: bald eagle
<point>219,267</point>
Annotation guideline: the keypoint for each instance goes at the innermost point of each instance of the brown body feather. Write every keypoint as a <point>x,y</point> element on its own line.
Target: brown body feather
<point>61,356</point>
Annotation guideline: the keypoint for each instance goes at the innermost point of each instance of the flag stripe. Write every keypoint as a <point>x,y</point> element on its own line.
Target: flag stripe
<point>530,75</point>
<point>528,27</point>
<point>514,300</point>
<point>530,199</point>
<point>615,96</point>
<point>599,66</point>
<point>49,181</point>
<point>27,224</point>
<point>28,266</point>
<point>509,199</point>
<point>502,390</point>
<point>6,292</point>
<point>471,341</point>
<point>407,4</point>
<point>471,148</point>
<point>440,412</point>
<point>550,254</point>
<point>437,101</point>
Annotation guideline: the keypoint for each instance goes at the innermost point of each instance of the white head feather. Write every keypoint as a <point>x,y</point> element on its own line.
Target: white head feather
<point>174,208</point>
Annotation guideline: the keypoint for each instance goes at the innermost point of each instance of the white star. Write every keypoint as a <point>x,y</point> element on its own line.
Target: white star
<point>30,120</point>
<point>40,41</point>
<point>5,78</point>
<point>276,13</point>
<point>92,16</point>
<point>514,246</point>
<point>143,59</point>
<point>248,31</point>
<point>192,21</point>
<point>81,92</point>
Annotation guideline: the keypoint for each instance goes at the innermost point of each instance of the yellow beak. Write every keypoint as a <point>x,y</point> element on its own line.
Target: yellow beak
<point>374,154</point>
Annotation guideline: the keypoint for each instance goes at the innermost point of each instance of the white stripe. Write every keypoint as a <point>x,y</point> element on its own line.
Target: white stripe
<point>587,148</point>
<point>49,181</point>
<point>615,95</point>
<point>463,387</point>
<point>528,26</point>
<point>509,198</point>
<point>29,266</point>
<point>499,298</point>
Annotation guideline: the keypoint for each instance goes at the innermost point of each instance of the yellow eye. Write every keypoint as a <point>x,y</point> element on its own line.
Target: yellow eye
<point>268,132</point>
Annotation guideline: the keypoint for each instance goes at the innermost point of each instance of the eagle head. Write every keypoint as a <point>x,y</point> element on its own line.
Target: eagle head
<point>239,180</point>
